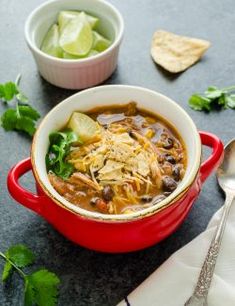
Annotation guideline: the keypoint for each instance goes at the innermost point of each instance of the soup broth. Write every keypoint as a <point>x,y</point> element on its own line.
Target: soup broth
<point>125,159</point>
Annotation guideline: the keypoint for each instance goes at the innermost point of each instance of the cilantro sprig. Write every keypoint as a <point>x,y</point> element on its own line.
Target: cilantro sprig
<point>40,287</point>
<point>213,98</point>
<point>10,90</point>
<point>60,143</point>
<point>22,117</point>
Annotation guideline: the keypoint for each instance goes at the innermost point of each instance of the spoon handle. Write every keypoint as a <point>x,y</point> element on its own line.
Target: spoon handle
<point>199,297</point>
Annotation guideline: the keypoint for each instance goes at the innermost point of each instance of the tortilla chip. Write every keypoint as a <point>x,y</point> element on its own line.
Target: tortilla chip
<point>123,138</point>
<point>176,53</point>
<point>121,152</point>
<point>98,162</point>
<point>143,164</point>
<point>110,166</point>
<point>115,175</point>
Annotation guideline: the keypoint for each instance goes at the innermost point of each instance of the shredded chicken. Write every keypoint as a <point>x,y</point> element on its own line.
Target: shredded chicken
<point>60,185</point>
<point>77,178</point>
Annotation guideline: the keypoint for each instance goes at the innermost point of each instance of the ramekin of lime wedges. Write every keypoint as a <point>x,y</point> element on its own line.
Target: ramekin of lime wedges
<point>74,36</point>
<point>75,43</point>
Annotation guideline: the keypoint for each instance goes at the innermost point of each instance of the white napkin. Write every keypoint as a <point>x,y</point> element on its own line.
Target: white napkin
<point>174,281</point>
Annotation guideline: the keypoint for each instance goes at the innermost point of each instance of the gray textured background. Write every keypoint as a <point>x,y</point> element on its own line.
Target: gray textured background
<point>90,278</point>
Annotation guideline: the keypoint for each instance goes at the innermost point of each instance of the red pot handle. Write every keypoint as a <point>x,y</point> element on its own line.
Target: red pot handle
<point>24,197</point>
<point>216,157</point>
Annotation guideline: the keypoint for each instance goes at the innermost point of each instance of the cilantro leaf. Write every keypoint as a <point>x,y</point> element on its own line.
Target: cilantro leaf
<point>28,111</point>
<point>198,102</point>
<point>41,288</point>
<point>60,143</point>
<point>8,91</point>
<point>213,98</point>
<point>230,100</point>
<point>8,119</point>
<point>222,101</point>
<point>29,293</point>
<point>19,255</point>
<point>213,92</point>
<point>25,124</point>
<point>6,271</point>
<point>22,119</point>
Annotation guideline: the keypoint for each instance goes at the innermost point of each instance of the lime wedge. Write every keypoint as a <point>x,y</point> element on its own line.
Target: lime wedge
<point>50,44</point>
<point>100,43</point>
<point>70,56</point>
<point>76,37</point>
<point>86,128</point>
<point>92,20</point>
<point>65,16</point>
<point>92,53</point>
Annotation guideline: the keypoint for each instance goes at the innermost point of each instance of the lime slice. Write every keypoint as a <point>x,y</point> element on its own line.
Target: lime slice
<point>50,44</point>
<point>76,37</point>
<point>100,43</point>
<point>65,16</point>
<point>86,128</point>
<point>71,56</point>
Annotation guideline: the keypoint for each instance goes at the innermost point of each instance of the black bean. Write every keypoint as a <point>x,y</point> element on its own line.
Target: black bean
<point>168,143</point>
<point>169,184</point>
<point>159,198</point>
<point>176,172</point>
<point>107,193</point>
<point>170,159</point>
<point>131,134</point>
<point>146,198</point>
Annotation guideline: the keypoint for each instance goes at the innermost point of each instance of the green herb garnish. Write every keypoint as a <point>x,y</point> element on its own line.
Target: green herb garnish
<point>8,91</point>
<point>60,143</point>
<point>40,287</point>
<point>213,98</point>
<point>23,117</point>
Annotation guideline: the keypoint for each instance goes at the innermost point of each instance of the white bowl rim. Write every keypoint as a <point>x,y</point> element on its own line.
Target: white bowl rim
<point>102,54</point>
<point>170,200</point>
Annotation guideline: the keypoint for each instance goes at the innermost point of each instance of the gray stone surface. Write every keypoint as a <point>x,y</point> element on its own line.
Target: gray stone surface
<point>90,278</point>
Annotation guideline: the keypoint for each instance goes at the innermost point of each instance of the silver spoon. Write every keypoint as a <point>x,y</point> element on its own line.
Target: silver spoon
<point>226,180</point>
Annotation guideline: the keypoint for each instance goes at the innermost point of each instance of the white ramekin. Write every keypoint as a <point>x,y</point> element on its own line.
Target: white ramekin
<point>81,73</point>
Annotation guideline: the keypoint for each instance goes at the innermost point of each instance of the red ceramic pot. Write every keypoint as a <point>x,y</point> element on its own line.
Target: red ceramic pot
<point>116,233</point>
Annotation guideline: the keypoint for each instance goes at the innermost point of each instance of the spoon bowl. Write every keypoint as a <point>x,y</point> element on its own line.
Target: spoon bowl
<point>226,171</point>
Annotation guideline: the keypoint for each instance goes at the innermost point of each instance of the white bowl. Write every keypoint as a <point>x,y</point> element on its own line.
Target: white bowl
<point>111,95</point>
<point>81,73</point>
